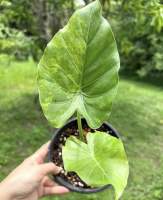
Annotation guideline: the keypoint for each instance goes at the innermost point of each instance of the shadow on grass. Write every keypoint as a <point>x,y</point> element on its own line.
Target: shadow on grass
<point>23,112</point>
<point>154,79</point>
<point>133,122</point>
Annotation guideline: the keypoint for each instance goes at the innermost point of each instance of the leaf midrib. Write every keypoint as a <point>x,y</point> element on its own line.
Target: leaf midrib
<point>86,41</point>
<point>92,155</point>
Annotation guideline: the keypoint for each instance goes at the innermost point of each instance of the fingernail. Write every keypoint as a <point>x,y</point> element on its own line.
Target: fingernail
<point>59,169</point>
<point>66,190</point>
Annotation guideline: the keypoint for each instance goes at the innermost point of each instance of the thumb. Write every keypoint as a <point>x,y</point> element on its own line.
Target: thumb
<point>49,168</point>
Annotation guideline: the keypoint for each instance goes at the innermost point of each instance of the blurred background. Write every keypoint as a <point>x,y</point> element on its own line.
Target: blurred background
<point>25,29</point>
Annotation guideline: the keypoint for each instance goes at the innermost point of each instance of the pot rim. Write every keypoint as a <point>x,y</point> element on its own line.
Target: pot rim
<point>62,181</point>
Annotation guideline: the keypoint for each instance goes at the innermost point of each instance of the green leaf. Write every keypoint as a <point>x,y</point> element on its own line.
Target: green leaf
<point>79,69</point>
<point>99,162</point>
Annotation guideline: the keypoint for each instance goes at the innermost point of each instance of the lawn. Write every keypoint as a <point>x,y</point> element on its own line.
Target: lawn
<point>137,114</point>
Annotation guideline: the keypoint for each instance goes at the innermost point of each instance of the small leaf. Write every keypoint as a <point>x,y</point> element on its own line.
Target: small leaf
<point>99,162</point>
<point>79,69</point>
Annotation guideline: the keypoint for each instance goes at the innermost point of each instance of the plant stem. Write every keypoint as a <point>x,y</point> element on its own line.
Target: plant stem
<point>80,126</point>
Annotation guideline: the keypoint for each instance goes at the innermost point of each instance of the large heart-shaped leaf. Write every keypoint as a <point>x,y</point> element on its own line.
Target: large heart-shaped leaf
<point>99,162</point>
<point>79,69</point>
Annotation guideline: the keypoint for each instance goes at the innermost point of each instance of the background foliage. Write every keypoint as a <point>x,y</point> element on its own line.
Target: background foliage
<point>27,26</point>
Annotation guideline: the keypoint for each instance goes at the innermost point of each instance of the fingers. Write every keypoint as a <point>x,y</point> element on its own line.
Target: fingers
<point>41,153</point>
<point>47,182</point>
<point>49,168</point>
<point>55,190</point>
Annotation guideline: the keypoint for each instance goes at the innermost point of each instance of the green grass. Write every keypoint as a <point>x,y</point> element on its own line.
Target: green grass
<point>137,114</point>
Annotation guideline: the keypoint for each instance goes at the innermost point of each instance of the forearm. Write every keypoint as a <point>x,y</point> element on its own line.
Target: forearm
<point>5,193</point>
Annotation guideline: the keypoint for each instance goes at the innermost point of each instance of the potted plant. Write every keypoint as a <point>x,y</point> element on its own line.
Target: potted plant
<point>78,75</point>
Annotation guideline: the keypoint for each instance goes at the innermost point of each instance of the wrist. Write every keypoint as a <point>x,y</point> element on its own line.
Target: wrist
<point>5,193</point>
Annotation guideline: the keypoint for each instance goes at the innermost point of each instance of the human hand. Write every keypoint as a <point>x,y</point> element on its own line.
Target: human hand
<point>30,181</point>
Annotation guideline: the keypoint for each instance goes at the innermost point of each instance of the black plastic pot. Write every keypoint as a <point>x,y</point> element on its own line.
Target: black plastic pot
<point>54,143</point>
